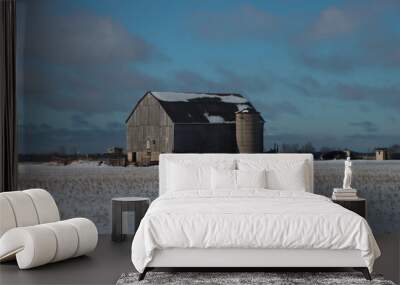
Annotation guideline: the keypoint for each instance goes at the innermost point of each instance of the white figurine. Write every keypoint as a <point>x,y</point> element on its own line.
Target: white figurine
<point>347,174</point>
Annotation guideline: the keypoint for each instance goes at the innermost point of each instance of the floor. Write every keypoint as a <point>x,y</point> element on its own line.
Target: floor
<point>110,260</point>
<point>104,266</point>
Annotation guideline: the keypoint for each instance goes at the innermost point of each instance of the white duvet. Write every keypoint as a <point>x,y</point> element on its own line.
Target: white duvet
<point>250,219</point>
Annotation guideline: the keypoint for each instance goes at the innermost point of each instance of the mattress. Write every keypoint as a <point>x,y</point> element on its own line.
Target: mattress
<point>250,219</point>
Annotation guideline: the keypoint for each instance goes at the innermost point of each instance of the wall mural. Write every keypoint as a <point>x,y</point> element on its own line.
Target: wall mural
<point>104,87</point>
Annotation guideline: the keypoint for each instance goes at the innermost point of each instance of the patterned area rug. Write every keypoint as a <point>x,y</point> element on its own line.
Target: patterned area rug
<point>229,278</point>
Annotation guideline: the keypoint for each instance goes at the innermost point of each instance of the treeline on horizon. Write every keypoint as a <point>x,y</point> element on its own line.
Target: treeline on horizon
<point>323,153</point>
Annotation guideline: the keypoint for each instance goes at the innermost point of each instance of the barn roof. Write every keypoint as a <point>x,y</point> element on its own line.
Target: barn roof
<point>192,108</point>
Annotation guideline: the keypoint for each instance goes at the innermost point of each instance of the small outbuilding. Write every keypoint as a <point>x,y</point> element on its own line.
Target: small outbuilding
<point>177,122</point>
<point>382,154</point>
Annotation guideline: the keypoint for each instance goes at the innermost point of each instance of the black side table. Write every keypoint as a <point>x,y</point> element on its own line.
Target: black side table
<point>358,206</point>
<point>126,204</point>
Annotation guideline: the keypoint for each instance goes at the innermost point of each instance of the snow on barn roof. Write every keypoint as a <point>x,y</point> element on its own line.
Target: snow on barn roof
<point>187,97</point>
<point>214,108</point>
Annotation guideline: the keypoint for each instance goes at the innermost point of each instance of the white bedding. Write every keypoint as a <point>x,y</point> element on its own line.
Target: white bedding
<point>250,219</point>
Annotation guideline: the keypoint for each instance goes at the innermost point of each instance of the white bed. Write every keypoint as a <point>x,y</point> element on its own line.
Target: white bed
<point>249,227</point>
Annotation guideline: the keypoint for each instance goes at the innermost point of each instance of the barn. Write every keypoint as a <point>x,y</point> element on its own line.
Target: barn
<point>166,122</point>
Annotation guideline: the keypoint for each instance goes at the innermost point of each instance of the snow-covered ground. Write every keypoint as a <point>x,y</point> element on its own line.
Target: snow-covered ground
<point>85,189</point>
<point>377,181</point>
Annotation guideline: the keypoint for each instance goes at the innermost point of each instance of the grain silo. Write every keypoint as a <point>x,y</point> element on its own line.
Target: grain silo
<point>249,131</point>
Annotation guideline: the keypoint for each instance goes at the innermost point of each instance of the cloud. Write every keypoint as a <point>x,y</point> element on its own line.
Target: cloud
<point>115,125</point>
<point>350,18</point>
<point>251,83</point>
<point>224,81</point>
<point>243,22</point>
<point>82,39</point>
<point>387,97</point>
<point>82,62</point>
<point>331,63</point>
<point>88,90</point>
<point>189,80</point>
<point>374,52</point>
<point>380,48</point>
<point>306,86</point>
<point>354,35</point>
<point>275,110</point>
<point>43,138</point>
<point>366,126</point>
<point>334,21</point>
<point>79,121</point>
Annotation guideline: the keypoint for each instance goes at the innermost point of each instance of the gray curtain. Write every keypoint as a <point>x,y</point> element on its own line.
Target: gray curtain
<point>8,151</point>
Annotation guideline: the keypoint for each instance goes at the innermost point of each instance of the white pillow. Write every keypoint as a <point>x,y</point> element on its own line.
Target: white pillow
<point>223,179</point>
<point>251,178</point>
<point>193,175</point>
<point>281,174</point>
<point>226,179</point>
<point>183,178</point>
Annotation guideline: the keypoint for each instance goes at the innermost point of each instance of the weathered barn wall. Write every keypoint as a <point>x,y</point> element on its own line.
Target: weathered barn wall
<point>205,138</point>
<point>149,128</point>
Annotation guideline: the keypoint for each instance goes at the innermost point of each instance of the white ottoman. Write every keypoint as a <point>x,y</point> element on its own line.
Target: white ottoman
<point>31,232</point>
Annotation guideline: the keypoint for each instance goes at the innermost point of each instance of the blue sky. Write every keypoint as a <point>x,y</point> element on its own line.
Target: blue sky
<point>321,71</point>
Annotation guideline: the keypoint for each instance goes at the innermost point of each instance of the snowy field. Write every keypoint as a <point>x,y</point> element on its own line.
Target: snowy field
<point>377,181</point>
<point>85,189</point>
